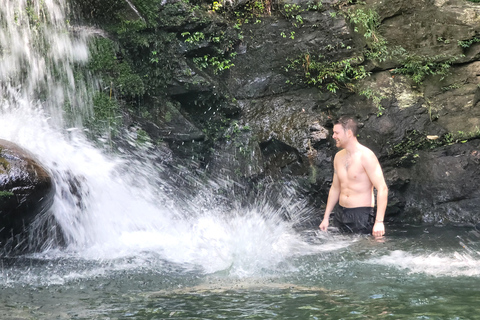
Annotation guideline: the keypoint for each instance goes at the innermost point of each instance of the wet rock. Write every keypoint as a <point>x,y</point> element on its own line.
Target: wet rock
<point>441,184</point>
<point>26,190</point>
<point>428,28</point>
<point>454,100</point>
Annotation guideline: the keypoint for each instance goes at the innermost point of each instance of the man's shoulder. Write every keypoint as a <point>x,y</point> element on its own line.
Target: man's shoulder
<point>367,151</point>
<point>369,159</point>
<point>340,154</point>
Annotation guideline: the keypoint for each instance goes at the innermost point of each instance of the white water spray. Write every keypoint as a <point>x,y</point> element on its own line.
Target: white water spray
<point>108,208</point>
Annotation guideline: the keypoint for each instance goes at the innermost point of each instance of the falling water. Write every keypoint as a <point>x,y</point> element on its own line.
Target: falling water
<point>134,250</point>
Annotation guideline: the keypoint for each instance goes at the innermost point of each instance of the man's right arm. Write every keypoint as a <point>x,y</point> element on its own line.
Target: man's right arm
<point>333,196</point>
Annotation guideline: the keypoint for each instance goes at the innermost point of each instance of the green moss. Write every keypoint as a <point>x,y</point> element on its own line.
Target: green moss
<point>106,115</point>
<point>406,151</point>
<point>4,164</point>
<point>115,72</point>
<point>6,194</point>
<point>142,139</point>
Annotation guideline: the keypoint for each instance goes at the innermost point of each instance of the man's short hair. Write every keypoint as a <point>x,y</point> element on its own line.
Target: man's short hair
<point>348,123</point>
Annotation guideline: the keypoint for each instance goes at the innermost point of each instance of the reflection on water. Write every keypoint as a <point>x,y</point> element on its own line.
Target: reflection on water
<point>399,278</point>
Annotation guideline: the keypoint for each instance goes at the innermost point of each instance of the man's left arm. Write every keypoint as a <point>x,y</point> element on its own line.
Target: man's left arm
<point>374,172</point>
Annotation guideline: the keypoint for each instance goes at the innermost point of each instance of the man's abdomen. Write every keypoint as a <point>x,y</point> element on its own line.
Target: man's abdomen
<point>350,199</point>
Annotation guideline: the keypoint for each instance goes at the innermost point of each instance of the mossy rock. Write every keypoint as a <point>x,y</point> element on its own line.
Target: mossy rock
<point>26,190</point>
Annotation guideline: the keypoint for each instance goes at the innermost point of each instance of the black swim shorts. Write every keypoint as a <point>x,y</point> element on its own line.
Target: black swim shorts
<point>355,220</point>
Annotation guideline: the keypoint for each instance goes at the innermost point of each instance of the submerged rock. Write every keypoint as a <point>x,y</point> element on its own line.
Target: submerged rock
<point>26,190</point>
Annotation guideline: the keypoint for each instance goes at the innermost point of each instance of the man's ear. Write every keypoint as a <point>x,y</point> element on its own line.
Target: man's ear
<point>349,133</point>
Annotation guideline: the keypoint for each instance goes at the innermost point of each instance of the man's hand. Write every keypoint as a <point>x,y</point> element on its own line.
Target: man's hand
<point>378,229</point>
<point>324,225</point>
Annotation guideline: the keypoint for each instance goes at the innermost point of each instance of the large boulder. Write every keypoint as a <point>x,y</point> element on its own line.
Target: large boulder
<point>26,190</point>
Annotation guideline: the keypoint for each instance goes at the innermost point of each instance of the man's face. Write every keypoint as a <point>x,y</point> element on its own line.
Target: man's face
<point>340,136</point>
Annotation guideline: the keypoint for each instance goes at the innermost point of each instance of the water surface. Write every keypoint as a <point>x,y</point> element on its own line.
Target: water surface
<point>415,273</point>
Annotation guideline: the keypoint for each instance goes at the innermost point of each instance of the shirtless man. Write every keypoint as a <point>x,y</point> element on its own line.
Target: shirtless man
<point>356,172</point>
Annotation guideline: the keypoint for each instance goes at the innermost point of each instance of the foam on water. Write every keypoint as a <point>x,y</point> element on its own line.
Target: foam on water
<point>452,264</point>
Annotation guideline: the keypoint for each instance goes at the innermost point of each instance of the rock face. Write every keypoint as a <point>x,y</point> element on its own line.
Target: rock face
<point>262,118</point>
<point>26,190</point>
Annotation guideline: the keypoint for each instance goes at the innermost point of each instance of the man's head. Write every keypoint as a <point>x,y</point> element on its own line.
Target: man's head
<point>344,130</point>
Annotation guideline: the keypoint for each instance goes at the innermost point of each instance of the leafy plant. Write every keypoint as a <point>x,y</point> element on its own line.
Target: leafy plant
<point>315,5</point>
<point>419,67</point>
<point>216,6</point>
<point>376,98</point>
<point>253,9</point>
<point>196,37</point>
<point>468,43</point>
<point>6,194</point>
<point>106,116</point>
<point>367,22</point>
<point>118,74</point>
<point>218,64</point>
<point>331,75</point>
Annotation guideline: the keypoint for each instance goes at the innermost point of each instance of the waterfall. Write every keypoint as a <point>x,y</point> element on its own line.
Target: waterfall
<point>113,206</point>
<point>38,55</point>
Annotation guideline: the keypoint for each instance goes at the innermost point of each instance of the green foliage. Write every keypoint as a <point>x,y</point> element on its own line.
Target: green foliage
<point>218,64</point>
<point>291,10</point>
<point>252,10</point>
<point>441,39</point>
<point>419,67</point>
<point>142,138</point>
<point>407,150</point>
<point>376,98</point>
<point>106,115</point>
<point>143,41</point>
<point>194,38</point>
<point>315,5</point>
<point>115,73</point>
<point>35,20</point>
<point>330,75</point>
<point>106,109</point>
<point>216,6</point>
<point>450,87</point>
<point>4,164</point>
<point>367,22</point>
<point>468,43</point>
<point>461,136</point>
<point>6,194</point>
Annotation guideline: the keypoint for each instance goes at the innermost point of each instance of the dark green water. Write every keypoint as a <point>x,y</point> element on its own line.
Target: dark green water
<point>414,273</point>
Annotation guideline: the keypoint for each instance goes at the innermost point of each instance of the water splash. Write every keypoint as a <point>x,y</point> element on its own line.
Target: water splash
<point>114,207</point>
<point>437,264</point>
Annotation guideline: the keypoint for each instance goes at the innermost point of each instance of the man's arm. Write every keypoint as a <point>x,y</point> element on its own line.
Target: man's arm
<point>333,196</point>
<point>374,172</point>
